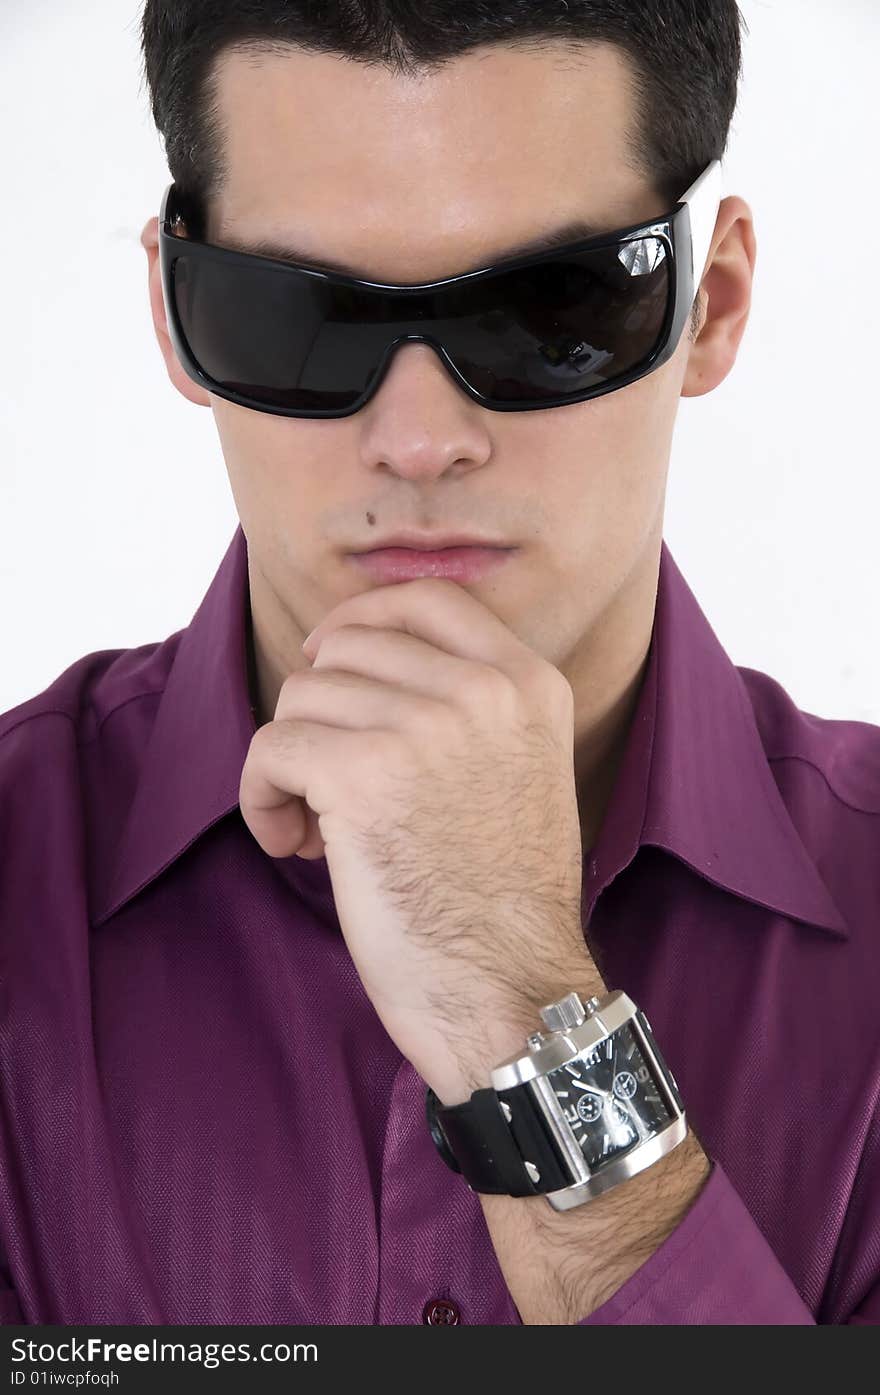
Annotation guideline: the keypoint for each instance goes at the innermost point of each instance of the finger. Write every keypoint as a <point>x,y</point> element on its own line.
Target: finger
<point>288,769</point>
<point>351,701</point>
<point>395,659</point>
<point>433,609</point>
<point>281,827</point>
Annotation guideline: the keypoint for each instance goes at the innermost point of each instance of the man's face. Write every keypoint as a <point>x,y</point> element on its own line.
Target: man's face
<point>408,180</point>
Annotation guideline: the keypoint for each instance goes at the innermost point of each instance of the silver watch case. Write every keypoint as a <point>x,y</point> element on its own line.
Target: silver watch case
<point>548,1051</point>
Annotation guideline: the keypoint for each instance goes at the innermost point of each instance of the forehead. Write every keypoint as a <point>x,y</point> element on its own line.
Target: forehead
<point>410,178</point>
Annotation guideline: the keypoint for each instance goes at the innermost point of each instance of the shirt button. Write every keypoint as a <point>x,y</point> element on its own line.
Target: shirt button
<point>441,1310</point>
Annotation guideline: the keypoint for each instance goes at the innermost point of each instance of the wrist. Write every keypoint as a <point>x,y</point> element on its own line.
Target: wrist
<point>503,1029</point>
<point>587,1106</point>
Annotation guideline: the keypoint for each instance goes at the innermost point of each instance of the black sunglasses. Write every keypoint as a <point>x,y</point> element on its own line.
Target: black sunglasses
<point>522,335</point>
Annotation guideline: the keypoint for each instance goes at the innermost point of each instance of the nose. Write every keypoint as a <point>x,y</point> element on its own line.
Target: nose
<point>419,422</point>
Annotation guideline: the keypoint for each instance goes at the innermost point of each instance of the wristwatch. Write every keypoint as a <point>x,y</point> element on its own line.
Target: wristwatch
<point>590,1104</point>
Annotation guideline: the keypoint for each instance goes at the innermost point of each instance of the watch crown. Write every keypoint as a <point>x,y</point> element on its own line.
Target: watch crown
<point>567,1012</point>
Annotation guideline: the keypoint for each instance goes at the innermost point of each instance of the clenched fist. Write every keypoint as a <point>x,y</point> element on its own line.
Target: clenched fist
<point>428,753</point>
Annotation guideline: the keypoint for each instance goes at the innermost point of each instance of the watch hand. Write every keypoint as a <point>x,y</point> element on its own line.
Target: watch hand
<point>632,1118</point>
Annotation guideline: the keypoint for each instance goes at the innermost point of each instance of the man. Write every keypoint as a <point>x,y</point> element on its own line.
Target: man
<point>277,908</point>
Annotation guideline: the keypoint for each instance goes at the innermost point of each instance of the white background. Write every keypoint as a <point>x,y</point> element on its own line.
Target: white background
<point>115,507</point>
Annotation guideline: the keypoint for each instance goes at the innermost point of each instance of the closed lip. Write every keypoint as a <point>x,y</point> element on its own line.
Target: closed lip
<point>421,543</point>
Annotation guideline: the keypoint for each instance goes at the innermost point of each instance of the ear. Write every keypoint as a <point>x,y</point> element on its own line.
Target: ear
<point>725,299</point>
<point>181,380</point>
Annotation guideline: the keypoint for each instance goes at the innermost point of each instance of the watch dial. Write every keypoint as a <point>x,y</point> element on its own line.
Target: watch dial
<point>610,1098</point>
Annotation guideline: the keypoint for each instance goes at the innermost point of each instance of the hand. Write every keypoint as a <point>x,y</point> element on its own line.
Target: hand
<point>428,754</point>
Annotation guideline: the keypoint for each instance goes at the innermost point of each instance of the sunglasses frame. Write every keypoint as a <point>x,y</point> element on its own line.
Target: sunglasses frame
<point>686,233</point>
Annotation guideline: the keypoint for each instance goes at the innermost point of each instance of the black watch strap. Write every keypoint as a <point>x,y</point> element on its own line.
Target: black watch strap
<point>476,1139</point>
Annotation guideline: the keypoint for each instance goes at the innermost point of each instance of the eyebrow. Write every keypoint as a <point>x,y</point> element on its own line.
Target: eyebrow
<point>574,231</point>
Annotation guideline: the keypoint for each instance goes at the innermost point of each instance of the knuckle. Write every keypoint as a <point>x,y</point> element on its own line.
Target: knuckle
<point>489,690</point>
<point>555,683</point>
<point>377,757</point>
<point>277,737</point>
<point>426,718</point>
<point>289,686</point>
<point>546,687</point>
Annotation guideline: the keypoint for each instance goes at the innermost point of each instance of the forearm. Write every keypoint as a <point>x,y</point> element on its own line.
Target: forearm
<point>561,1266</point>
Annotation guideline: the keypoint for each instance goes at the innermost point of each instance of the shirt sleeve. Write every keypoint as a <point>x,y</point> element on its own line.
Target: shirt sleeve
<point>716,1267</point>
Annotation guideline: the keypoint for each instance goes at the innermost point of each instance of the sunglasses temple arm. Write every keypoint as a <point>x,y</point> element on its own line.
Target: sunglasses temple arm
<point>702,199</point>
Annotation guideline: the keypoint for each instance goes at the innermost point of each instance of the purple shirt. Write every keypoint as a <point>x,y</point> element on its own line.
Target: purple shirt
<point>202,1118</point>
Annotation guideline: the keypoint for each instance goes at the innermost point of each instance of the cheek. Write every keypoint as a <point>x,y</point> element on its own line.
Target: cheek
<point>639,419</point>
<point>270,462</point>
<point>252,441</point>
<point>242,447</point>
<point>635,464</point>
<point>618,443</point>
<point>606,469</point>
<point>281,447</point>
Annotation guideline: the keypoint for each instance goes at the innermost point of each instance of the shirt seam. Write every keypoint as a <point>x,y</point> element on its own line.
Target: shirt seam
<point>65,712</point>
<point>856,808</point>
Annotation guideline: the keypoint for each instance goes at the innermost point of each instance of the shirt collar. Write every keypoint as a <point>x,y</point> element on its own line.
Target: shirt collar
<point>694,778</point>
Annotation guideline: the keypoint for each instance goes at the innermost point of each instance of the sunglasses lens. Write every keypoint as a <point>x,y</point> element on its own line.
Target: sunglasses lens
<point>287,341</point>
<point>562,326</point>
<point>290,341</point>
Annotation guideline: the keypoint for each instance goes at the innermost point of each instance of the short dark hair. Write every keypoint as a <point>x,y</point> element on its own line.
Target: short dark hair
<point>685,56</point>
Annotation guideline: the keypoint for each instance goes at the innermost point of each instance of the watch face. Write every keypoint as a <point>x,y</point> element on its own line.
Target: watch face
<point>610,1098</point>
